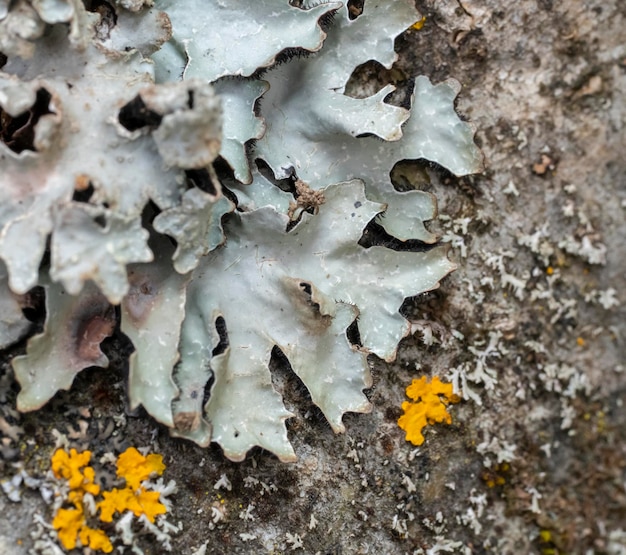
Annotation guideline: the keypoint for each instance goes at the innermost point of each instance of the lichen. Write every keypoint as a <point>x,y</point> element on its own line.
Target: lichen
<point>429,406</point>
<point>164,176</point>
<point>135,467</point>
<point>73,524</point>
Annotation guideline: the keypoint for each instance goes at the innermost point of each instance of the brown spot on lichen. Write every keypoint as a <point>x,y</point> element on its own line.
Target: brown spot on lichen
<point>141,297</point>
<point>81,182</point>
<point>92,332</point>
<point>306,307</point>
<point>187,421</point>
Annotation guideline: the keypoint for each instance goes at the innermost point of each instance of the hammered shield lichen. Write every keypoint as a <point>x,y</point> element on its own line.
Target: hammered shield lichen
<point>159,175</point>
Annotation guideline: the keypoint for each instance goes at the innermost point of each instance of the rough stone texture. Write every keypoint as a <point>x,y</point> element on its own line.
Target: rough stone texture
<point>539,77</point>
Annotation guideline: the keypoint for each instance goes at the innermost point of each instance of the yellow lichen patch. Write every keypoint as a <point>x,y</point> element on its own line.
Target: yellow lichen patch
<point>115,501</point>
<point>545,535</point>
<point>419,24</point>
<point>95,539</point>
<point>497,475</point>
<point>68,523</point>
<point>135,468</point>
<point>69,465</point>
<point>140,503</point>
<point>431,399</point>
<point>71,523</point>
<point>132,466</point>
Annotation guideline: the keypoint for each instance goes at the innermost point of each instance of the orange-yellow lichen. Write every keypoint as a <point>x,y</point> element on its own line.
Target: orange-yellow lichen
<point>140,502</point>
<point>430,406</point>
<point>496,475</point>
<point>419,24</point>
<point>95,539</point>
<point>68,523</point>
<point>132,466</point>
<point>71,524</point>
<point>69,465</point>
<point>135,468</point>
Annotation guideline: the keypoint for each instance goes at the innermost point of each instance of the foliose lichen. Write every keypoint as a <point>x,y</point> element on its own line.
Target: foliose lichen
<point>180,170</point>
<point>87,503</point>
<point>428,405</point>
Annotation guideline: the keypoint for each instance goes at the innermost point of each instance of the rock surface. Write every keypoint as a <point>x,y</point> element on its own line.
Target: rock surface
<point>535,460</point>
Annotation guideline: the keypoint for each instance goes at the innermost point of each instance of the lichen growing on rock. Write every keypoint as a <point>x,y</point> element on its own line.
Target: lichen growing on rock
<point>73,524</point>
<point>429,406</point>
<point>139,171</point>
